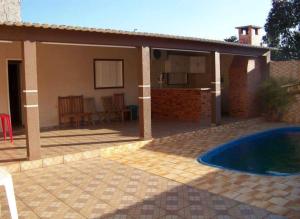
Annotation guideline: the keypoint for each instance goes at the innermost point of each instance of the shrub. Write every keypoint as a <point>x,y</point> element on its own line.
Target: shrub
<point>275,98</point>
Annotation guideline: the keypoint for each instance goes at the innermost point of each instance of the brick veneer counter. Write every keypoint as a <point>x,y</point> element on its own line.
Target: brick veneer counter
<point>181,104</point>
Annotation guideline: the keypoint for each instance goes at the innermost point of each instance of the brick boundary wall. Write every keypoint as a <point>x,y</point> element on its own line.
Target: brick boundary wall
<point>181,104</point>
<point>289,69</point>
<point>292,114</point>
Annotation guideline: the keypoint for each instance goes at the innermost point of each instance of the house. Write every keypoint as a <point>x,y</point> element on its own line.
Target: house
<point>175,77</point>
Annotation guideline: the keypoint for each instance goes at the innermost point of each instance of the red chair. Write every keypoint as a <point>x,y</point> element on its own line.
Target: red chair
<point>5,118</point>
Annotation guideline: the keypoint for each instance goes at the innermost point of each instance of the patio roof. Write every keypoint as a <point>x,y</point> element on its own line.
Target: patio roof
<point>25,29</point>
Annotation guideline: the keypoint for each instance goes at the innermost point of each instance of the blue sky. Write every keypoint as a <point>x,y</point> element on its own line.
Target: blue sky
<point>214,19</point>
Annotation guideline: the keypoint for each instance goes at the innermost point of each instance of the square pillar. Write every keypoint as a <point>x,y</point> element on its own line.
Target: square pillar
<point>216,88</point>
<point>144,93</point>
<point>266,65</point>
<point>31,108</point>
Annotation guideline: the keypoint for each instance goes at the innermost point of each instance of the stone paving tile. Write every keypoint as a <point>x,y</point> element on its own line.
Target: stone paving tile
<point>56,142</point>
<point>197,211</point>
<point>146,209</point>
<point>160,180</point>
<point>49,193</point>
<point>175,159</point>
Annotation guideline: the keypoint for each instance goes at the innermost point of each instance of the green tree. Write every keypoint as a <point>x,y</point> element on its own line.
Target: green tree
<point>283,29</point>
<point>232,39</point>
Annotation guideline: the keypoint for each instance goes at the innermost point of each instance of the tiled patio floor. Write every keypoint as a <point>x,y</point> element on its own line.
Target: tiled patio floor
<point>160,180</point>
<point>175,158</point>
<point>67,141</point>
<point>101,188</point>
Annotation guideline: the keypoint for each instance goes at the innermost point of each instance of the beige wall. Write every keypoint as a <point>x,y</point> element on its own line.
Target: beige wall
<point>8,51</point>
<point>68,70</point>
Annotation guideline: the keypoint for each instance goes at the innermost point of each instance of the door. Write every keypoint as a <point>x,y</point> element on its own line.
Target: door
<point>14,83</point>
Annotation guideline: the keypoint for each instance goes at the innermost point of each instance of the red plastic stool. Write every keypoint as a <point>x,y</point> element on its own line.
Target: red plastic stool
<point>5,118</point>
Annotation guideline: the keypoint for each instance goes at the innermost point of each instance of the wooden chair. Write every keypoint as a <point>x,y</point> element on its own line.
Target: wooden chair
<point>90,107</point>
<point>78,110</point>
<point>65,110</point>
<point>108,106</point>
<point>120,107</point>
<point>71,109</point>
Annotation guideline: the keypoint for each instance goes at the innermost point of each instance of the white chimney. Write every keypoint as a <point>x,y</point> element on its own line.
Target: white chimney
<point>10,11</point>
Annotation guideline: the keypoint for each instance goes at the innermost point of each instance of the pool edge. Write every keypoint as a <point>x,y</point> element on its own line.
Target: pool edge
<point>235,141</point>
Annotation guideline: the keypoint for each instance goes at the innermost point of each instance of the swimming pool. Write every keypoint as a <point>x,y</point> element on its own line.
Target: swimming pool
<point>274,152</point>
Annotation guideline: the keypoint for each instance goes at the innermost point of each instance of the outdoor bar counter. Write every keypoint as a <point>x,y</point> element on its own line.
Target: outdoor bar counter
<point>184,104</point>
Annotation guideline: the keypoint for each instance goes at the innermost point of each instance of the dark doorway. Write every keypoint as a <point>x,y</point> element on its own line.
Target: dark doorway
<point>14,83</point>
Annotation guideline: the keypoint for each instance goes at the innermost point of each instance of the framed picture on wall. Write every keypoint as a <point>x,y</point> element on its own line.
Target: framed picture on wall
<point>108,73</point>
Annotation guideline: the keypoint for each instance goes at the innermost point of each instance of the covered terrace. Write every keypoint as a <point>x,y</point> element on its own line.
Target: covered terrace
<point>59,61</point>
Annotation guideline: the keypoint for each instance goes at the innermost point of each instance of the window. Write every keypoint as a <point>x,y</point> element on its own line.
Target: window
<point>108,73</point>
<point>177,79</point>
<point>197,64</point>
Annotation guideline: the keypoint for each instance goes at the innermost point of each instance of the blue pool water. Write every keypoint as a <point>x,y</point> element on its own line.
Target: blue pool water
<point>274,152</point>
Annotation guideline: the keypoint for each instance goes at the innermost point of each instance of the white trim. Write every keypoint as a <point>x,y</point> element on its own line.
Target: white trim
<point>30,91</point>
<point>143,98</point>
<point>237,54</point>
<point>144,85</point>
<point>216,92</point>
<point>6,41</point>
<point>215,82</point>
<point>205,89</point>
<point>89,45</point>
<point>31,106</point>
<point>183,50</point>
